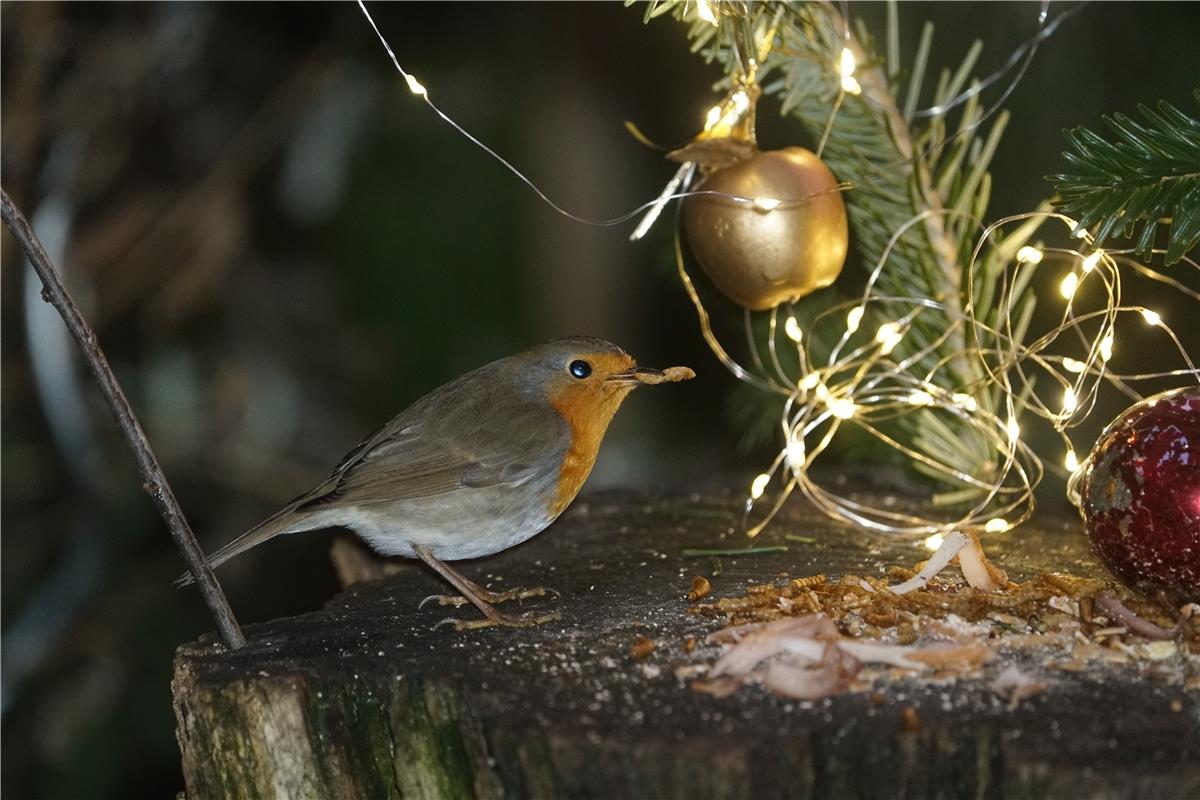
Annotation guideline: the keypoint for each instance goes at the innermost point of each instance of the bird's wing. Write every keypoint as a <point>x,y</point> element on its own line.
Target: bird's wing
<point>469,444</point>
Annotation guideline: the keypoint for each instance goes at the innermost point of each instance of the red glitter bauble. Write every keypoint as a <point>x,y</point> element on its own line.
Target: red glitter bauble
<point>1141,494</point>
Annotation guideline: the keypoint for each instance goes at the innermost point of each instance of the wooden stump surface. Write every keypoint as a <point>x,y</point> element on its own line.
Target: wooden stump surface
<point>363,698</point>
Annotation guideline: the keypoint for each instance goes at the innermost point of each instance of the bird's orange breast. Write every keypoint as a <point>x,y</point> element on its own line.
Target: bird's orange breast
<point>588,412</point>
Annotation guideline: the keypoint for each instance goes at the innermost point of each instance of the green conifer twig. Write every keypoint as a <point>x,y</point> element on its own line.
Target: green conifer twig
<point>1149,174</point>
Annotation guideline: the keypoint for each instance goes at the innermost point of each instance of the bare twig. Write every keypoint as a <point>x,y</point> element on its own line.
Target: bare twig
<point>155,482</point>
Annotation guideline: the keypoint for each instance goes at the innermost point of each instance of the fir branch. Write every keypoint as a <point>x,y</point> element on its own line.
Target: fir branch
<point>1149,174</point>
<point>896,169</point>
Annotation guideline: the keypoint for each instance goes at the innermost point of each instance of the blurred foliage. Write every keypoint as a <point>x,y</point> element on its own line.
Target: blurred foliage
<point>280,248</point>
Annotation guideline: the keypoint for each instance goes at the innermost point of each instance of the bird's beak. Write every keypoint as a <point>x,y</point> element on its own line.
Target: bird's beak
<point>635,376</point>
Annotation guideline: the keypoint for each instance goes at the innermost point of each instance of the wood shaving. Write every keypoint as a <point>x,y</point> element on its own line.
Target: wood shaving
<point>784,634</point>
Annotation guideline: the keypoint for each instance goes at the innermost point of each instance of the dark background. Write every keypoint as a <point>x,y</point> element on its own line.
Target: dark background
<point>280,248</point>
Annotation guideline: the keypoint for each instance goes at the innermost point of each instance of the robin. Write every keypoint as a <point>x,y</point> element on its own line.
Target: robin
<point>476,466</point>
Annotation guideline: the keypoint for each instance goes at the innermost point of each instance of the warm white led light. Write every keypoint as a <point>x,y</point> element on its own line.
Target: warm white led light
<point>1070,401</point>
<point>1091,261</point>
<point>810,381</point>
<point>1073,365</point>
<point>919,397</point>
<point>850,85</point>
<point>766,203</point>
<point>847,63</point>
<point>854,318</point>
<point>1029,255</point>
<point>963,400</point>
<point>1106,345</point>
<point>888,336</point>
<point>759,486</point>
<point>933,542</point>
<point>1069,284</point>
<point>795,453</point>
<point>1013,429</point>
<point>1071,461</point>
<point>792,328</point>
<point>415,86</point>
<point>842,407</point>
<point>705,11</point>
<point>996,525</point>
<point>1151,317</point>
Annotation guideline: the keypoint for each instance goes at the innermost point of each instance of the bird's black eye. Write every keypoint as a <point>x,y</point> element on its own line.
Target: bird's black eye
<point>580,369</point>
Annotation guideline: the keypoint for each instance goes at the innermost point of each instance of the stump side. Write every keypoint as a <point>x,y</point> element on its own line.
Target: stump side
<point>362,699</point>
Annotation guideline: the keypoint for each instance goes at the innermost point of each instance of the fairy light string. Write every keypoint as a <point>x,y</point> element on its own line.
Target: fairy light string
<point>868,378</point>
<point>761,43</point>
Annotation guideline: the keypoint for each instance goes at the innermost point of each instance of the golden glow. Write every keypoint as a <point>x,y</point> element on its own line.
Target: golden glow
<point>713,117</point>
<point>415,86</point>
<point>705,11</point>
<point>996,525</point>
<point>1029,255</point>
<point>1151,317</point>
<point>853,319</point>
<point>726,115</point>
<point>1071,461</point>
<point>759,486</point>
<point>919,397</point>
<point>842,407</point>
<point>1091,261</point>
<point>964,400</point>
<point>795,453</point>
<point>933,542</point>
<point>888,336</point>
<point>792,328</point>
<point>766,203</point>
<point>1070,401</point>
<point>1069,285</point>
<point>847,63</point>
<point>846,66</point>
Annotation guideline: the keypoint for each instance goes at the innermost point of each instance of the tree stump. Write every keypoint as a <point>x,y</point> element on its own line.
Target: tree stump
<point>364,699</point>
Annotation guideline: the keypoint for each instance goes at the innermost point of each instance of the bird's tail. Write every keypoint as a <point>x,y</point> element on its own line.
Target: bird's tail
<point>282,522</point>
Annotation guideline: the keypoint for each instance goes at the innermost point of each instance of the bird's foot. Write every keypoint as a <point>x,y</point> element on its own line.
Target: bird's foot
<point>497,619</point>
<point>488,596</point>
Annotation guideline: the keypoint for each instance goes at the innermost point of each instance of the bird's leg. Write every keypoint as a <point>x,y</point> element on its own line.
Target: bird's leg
<point>483,598</point>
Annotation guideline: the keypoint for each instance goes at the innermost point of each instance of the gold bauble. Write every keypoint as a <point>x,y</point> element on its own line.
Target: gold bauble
<point>761,255</point>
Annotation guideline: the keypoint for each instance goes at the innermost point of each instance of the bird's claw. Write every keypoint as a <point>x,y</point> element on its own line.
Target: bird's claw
<point>444,600</point>
<point>489,596</point>
<point>502,620</point>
